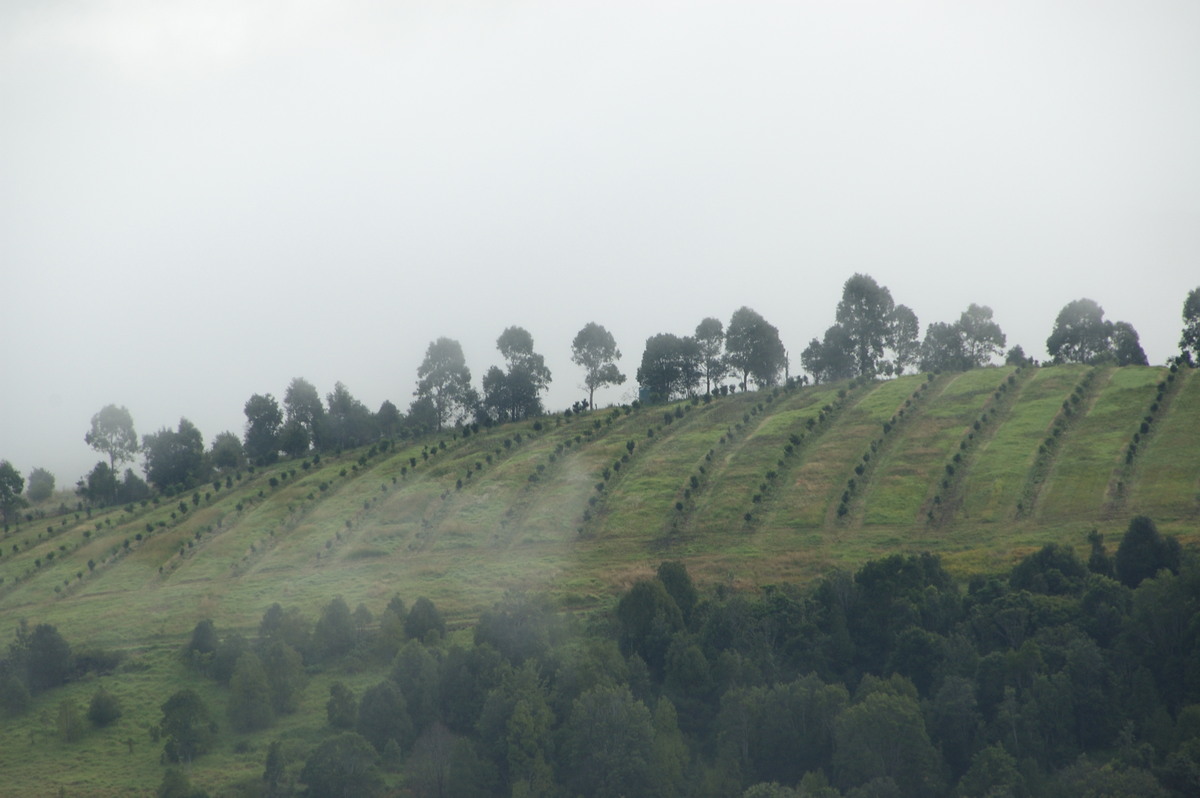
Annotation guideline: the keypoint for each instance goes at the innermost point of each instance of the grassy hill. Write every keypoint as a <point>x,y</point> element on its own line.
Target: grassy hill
<point>751,489</point>
<point>978,467</point>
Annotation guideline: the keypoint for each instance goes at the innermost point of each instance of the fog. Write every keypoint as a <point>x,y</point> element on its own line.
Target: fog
<point>202,200</point>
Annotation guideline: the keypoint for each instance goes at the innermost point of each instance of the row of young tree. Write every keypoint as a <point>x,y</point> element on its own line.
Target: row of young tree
<point>872,336</point>
<point>1062,678</point>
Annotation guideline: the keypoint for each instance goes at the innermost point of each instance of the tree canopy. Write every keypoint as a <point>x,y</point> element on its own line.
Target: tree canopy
<point>263,421</point>
<point>12,484</point>
<point>516,393</point>
<point>872,335</point>
<point>671,367</point>
<point>112,433</point>
<point>1189,339</point>
<point>174,457</point>
<point>1080,334</point>
<point>753,348</point>
<point>444,379</point>
<point>595,350</point>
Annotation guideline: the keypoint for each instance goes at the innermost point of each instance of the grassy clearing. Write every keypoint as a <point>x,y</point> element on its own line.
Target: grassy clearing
<point>1094,447</point>
<point>996,479</point>
<point>818,482</point>
<point>911,469</point>
<point>742,458</point>
<point>1167,481</point>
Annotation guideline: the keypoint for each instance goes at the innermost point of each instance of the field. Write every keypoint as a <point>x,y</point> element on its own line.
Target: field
<point>749,489</point>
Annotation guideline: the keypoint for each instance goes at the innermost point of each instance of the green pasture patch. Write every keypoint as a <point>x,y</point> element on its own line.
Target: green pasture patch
<point>910,470</point>
<point>997,476</point>
<point>817,483</point>
<point>1095,447</point>
<point>1167,478</point>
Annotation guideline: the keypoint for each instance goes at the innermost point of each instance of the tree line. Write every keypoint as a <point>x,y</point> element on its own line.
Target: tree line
<point>872,336</point>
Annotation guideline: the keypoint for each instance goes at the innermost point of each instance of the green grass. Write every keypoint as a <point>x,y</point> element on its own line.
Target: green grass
<point>905,478</point>
<point>1167,482</point>
<point>994,483</point>
<point>1094,448</point>
<point>387,528</point>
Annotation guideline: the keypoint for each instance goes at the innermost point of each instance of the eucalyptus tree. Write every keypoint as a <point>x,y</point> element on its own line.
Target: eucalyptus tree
<point>753,348</point>
<point>671,367</point>
<point>112,433</point>
<point>710,337</point>
<point>1189,339</point>
<point>1081,334</point>
<point>516,393</point>
<point>444,379</point>
<point>595,349</point>
<point>263,422</point>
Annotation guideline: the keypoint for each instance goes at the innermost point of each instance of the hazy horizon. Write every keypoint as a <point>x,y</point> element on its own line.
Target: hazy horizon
<point>202,201</point>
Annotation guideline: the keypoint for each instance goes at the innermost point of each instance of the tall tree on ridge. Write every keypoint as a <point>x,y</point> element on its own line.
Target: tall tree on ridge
<point>595,349</point>
<point>445,380</point>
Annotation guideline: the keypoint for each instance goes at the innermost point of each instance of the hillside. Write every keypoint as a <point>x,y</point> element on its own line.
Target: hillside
<point>977,467</point>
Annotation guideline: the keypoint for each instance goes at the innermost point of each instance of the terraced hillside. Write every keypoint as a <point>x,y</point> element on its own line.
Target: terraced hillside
<point>747,489</point>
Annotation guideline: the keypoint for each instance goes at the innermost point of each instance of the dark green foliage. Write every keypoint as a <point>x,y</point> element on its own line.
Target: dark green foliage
<point>515,727</point>
<point>670,369</point>
<point>186,726</point>
<point>423,620</point>
<point>343,766</point>
<point>43,657</point>
<point>1054,569</point>
<point>249,695</point>
<point>273,770</point>
<point>648,618</point>
<point>678,583</point>
<point>225,453</point>
<point>15,699</point>
<point>334,634</point>
<point>444,382</point>
<point>1080,333</point>
<point>104,708</point>
<point>112,433</point>
<point>342,709</point>
<point>346,424</point>
<point>284,669</point>
<point>263,422</point>
<point>415,672</point>
<point>11,486</point>
<point>202,645</point>
<point>383,716</point>
<point>516,393</point>
<point>226,656</point>
<point>175,458</point>
<point>41,485</point>
<point>607,744</point>
<point>519,627</point>
<point>883,736</point>
<point>1189,339</point>
<point>753,348</point>
<point>1143,552</point>
<point>467,676</point>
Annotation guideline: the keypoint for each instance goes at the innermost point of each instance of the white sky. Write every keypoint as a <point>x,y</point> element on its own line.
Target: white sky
<point>202,200</point>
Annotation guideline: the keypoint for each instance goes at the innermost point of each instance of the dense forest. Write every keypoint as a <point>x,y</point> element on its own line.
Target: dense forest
<point>1066,678</point>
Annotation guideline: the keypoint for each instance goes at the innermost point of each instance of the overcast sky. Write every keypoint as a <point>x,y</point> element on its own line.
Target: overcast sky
<point>201,200</point>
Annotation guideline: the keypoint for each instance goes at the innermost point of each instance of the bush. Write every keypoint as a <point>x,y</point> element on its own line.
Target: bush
<point>104,708</point>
